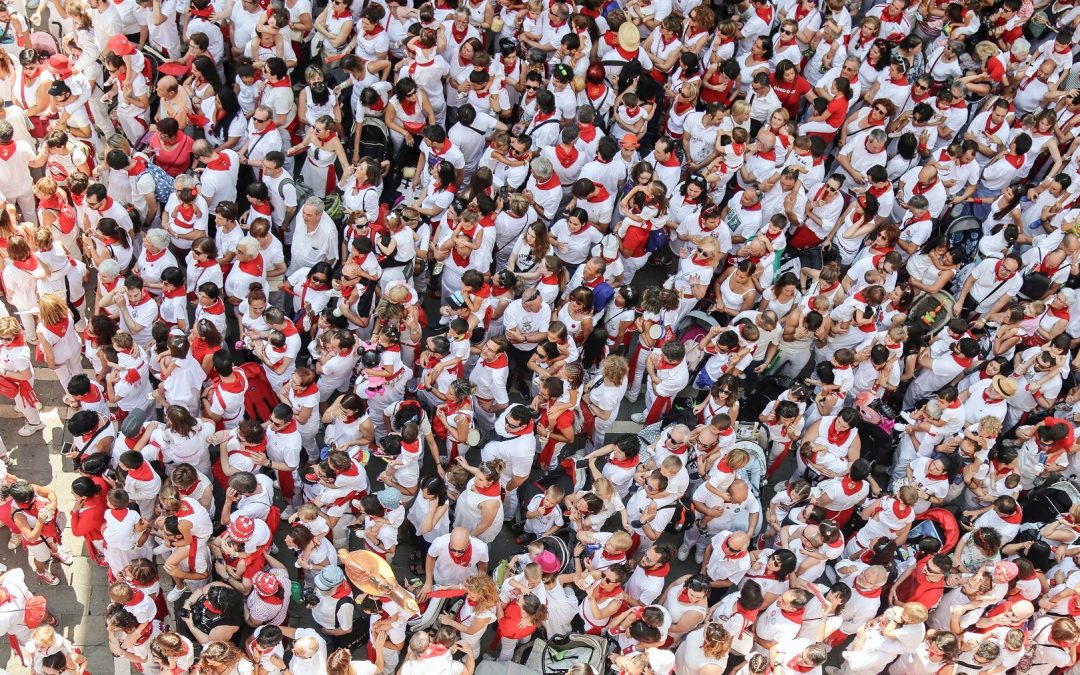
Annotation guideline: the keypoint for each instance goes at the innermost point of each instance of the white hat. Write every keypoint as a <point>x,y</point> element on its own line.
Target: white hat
<point>661,661</point>
<point>608,247</point>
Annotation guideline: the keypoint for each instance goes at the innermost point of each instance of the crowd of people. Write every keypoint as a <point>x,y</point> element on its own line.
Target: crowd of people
<point>320,279</point>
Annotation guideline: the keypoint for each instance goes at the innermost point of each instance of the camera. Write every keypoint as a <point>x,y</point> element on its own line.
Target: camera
<point>310,597</point>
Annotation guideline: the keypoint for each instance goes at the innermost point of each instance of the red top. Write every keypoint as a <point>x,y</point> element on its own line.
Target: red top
<point>917,589</point>
<point>175,161</point>
<point>995,70</point>
<point>837,110</point>
<point>510,624</point>
<point>791,93</point>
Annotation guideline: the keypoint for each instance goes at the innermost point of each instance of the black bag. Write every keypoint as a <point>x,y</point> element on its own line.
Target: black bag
<point>1035,286</point>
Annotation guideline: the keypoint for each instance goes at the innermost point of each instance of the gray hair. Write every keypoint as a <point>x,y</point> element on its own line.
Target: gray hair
<point>853,59</point>
<point>817,652</point>
<point>266,109</point>
<point>1020,47</point>
<point>919,202</point>
<point>542,169</point>
<point>185,181</point>
<point>879,135</point>
<point>316,203</point>
<point>109,268</point>
<point>248,245</point>
<point>158,237</point>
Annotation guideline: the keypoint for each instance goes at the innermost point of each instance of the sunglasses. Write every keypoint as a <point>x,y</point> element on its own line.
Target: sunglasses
<point>260,120</point>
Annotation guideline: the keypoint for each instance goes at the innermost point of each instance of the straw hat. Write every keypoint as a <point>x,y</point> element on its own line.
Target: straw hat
<point>629,37</point>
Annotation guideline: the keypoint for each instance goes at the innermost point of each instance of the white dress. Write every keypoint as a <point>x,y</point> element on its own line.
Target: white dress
<point>689,659</point>
<point>467,514</point>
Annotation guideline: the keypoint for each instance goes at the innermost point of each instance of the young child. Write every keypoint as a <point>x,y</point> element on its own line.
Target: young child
<point>607,549</point>
<point>784,422</point>
<point>631,117</point>
<point>519,620</point>
<point>249,89</point>
<point>543,515</point>
<point>86,394</point>
<point>313,519</point>
<point>795,493</point>
<point>530,580</point>
<point>141,482</point>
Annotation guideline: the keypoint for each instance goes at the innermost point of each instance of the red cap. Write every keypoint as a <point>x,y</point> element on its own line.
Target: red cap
<point>120,45</point>
<point>59,65</point>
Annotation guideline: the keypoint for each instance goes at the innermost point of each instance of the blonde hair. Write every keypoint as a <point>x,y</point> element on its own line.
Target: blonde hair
<point>740,107</point>
<point>989,426</point>
<point>614,368</point>
<point>483,588</point>
<point>621,541</point>
<point>914,612</point>
<point>43,635</point>
<point>53,308</point>
<point>43,238</point>
<point>603,488</point>
<point>533,572</point>
<point>46,186</point>
<point>10,327</point>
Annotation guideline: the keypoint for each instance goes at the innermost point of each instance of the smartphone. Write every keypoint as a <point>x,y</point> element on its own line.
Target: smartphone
<point>67,448</point>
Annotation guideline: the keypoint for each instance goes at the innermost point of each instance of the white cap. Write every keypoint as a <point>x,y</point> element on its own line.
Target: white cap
<point>661,661</point>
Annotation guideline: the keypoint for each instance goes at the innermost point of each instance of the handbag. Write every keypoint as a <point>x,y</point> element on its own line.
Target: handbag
<point>1035,285</point>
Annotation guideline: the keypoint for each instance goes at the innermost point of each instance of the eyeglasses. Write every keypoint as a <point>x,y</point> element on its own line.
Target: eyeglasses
<point>319,280</point>
<point>883,111</point>
<point>260,120</point>
<point>785,31</point>
<point>531,88</point>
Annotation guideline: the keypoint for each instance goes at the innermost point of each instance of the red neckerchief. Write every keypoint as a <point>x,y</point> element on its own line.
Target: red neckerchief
<point>795,616</point>
<point>215,309</point>
<point>769,154</point>
<point>204,264</point>
<point>550,183</point>
<point>963,361</point>
<point>27,265</point>
<point>838,437</point>
<point>1015,518</point>
<point>289,428</point>
<point>875,593</point>
<point>254,267</point>
<point>566,157</point>
<point>588,132</point>
<point>7,150</point>
<point>627,463</point>
<point>137,166</point>
<point>661,571</point>
<point>920,190</point>
<point>154,257</point>
<point>344,590</point>
<point>664,365</point>
<point>59,329</point>
<point>374,31</point>
<point>990,128</point>
<point>144,473</point>
<point>1015,160</point>
<point>765,13</point>
<point>493,490</point>
<point>459,36</point>
<point>1059,313</point>
<point>595,91</point>
<point>850,486</point>
<point>900,509</point>
<point>222,163</point>
<point>282,83</point>
<point>794,664</point>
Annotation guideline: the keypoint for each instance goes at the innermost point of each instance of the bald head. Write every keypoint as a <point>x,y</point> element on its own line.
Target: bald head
<point>872,578</point>
<point>927,174</point>
<point>1022,609</point>
<point>738,541</point>
<point>766,139</point>
<point>739,490</point>
<point>459,538</point>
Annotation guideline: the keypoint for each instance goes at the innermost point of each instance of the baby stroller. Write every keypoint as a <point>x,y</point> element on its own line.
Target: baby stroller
<point>556,655</point>
<point>557,544</point>
<point>930,312</point>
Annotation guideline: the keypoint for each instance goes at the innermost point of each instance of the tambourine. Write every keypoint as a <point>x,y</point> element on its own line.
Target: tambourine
<point>473,438</point>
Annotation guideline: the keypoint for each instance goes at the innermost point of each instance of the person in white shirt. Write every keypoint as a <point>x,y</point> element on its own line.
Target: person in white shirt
<point>859,154</point>
<point>315,237</point>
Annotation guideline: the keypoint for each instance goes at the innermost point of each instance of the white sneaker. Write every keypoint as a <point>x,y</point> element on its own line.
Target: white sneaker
<point>906,416</point>
<point>288,512</point>
<point>632,399</point>
<point>899,427</point>
<point>684,552</point>
<point>174,595</point>
<point>638,418</point>
<point>64,557</point>
<point>49,578</point>
<point>14,542</point>
<point>699,556</point>
<point>30,429</point>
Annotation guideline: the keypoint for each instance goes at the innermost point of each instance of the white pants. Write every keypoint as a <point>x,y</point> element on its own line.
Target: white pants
<point>28,411</point>
<point>27,206</point>
<point>631,267</point>
<point>377,406</point>
<point>133,126</point>
<point>506,649</point>
<point>70,368</point>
